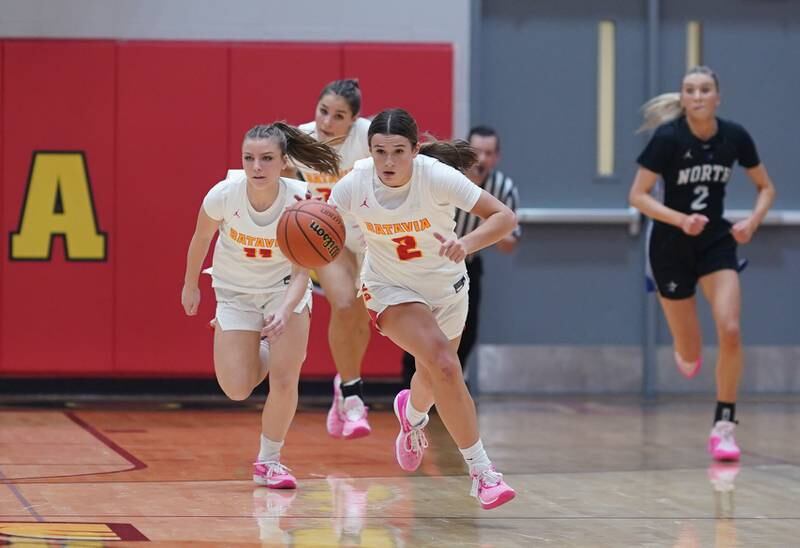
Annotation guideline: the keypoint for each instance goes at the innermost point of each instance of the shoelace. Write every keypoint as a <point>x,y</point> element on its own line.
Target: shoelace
<point>726,432</point>
<point>416,440</point>
<point>275,468</point>
<point>488,477</point>
<point>354,411</point>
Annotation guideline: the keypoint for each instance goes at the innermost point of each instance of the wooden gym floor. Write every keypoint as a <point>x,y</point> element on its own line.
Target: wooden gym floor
<point>599,472</point>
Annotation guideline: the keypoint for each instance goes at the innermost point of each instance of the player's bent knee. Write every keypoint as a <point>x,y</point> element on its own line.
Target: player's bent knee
<point>236,390</point>
<point>345,304</point>
<point>445,363</point>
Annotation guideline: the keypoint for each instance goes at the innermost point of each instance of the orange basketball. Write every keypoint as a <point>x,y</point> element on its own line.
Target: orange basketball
<point>311,233</point>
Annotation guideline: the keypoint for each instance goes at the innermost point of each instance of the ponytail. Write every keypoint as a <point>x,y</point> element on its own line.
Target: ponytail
<point>456,153</point>
<point>660,110</point>
<point>299,145</point>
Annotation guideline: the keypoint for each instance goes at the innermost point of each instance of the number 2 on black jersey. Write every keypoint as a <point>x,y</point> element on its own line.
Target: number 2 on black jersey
<point>699,203</point>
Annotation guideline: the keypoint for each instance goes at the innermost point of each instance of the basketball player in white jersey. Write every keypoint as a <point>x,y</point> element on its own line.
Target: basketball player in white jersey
<point>414,277</point>
<point>337,119</point>
<point>259,292</point>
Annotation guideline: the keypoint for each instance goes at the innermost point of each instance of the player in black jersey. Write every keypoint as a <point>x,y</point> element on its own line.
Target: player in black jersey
<point>693,151</point>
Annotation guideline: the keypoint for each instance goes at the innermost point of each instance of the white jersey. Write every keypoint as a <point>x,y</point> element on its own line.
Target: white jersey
<point>354,148</point>
<point>246,256</point>
<point>401,248</point>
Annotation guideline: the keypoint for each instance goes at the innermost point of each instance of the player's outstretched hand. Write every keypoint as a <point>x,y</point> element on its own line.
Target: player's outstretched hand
<point>694,224</point>
<point>452,249</point>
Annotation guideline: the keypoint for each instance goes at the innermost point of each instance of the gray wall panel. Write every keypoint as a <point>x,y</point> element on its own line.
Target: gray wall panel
<point>565,285</point>
<point>578,286</point>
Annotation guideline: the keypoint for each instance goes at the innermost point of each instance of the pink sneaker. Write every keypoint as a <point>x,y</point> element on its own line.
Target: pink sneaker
<point>335,421</point>
<point>721,444</point>
<point>490,489</point>
<point>273,475</point>
<point>355,419</point>
<point>411,441</point>
<point>686,368</point>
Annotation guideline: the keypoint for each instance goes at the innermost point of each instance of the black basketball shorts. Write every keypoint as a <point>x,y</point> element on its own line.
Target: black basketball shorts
<point>678,260</point>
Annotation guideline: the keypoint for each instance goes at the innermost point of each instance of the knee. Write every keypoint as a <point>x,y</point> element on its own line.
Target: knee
<point>730,334</point>
<point>236,390</point>
<point>445,362</point>
<point>345,305</point>
<point>283,382</point>
<point>349,313</point>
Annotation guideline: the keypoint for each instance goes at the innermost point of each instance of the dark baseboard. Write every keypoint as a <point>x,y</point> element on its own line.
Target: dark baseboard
<point>48,391</point>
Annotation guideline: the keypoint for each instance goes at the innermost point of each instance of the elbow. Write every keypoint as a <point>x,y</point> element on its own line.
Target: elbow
<point>633,199</point>
<point>509,221</point>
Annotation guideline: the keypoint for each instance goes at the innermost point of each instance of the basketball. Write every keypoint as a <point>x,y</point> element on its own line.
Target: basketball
<point>311,233</point>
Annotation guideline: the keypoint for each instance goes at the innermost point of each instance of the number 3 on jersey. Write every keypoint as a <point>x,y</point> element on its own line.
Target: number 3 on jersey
<point>407,248</point>
<point>699,203</point>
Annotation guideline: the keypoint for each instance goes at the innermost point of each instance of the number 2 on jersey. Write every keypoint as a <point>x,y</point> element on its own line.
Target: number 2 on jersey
<point>407,248</point>
<point>699,203</point>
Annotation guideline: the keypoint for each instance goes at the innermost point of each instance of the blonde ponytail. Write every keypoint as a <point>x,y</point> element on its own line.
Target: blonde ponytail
<point>660,110</point>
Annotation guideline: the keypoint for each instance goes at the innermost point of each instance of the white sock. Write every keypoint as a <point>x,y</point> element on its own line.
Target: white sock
<point>476,457</point>
<point>270,450</point>
<point>414,417</point>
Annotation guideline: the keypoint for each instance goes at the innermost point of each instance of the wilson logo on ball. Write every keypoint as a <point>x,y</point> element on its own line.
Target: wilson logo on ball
<point>327,241</point>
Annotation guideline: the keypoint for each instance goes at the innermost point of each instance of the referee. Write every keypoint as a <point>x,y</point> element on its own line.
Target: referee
<point>486,143</point>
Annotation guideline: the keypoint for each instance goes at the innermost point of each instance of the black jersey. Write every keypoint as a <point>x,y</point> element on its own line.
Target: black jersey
<point>694,171</point>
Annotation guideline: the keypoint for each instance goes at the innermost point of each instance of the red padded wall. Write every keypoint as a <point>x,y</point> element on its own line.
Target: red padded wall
<point>159,123</point>
<point>416,77</point>
<point>172,126</point>
<point>57,314</point>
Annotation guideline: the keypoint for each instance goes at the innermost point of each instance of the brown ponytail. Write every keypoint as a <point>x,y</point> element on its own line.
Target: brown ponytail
<point>299,145</point>
<point>456,153</point>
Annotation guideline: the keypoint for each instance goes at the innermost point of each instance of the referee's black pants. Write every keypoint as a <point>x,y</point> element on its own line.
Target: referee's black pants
<point>470,334</point>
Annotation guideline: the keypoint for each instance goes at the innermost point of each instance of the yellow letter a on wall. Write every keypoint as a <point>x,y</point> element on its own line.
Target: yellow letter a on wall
<point>58,201</point>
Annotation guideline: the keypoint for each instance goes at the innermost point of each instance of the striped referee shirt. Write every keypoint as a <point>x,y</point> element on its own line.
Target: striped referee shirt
<point>501,187</point>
